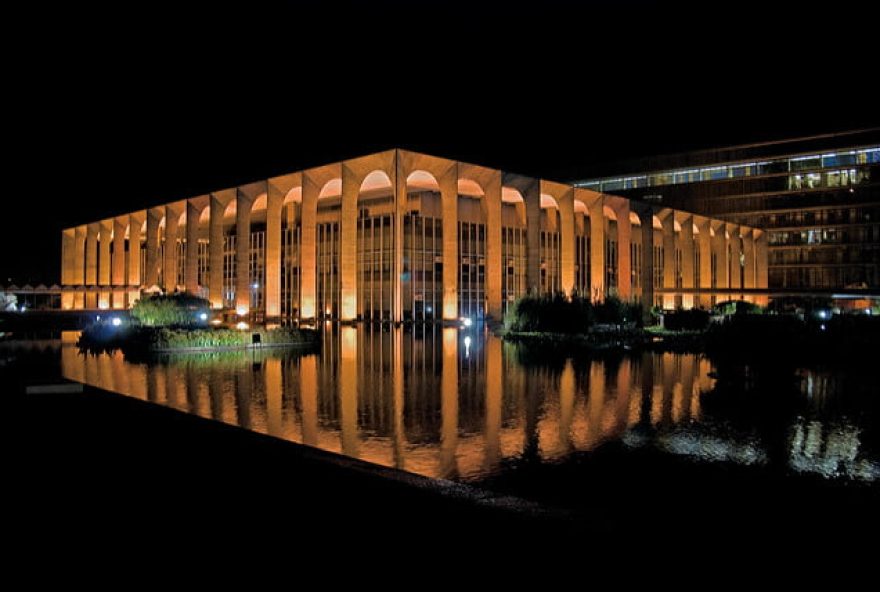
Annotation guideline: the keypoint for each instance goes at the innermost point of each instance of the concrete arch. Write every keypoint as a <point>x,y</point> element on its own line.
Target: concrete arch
<point>422,180</point>
<point>446,173</point>
<point>314,181</point>
<point>510,195</point>
<point>485,184</point>
<point>260,203</point>
<point>358,175</point>
<point>548,203</point>
<point>470,188</point>
<point>530,189</point>
<point>332,188</point>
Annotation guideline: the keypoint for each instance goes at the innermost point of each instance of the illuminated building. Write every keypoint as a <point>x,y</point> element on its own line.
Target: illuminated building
<point>818,199</point>
<point>405,236</point>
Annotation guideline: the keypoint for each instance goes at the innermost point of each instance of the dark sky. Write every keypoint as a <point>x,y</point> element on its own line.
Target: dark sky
<point>162,104</point>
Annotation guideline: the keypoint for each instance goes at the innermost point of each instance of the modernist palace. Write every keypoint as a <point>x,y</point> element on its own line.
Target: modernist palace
<point>405,236</point>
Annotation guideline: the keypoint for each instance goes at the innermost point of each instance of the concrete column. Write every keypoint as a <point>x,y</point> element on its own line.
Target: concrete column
<point>308,248</point>
<point>492,199</point>
<point>272,289</point>
<point>151,273</point>
<point>91,273</point>
<point>401,198</point>
<point>351,184</point>
<point>668,224</point>
<point>191,266</point>
<point>68,262</point>
<point>92,254</point>
<point>686,239</point>
<point>761,261</point>
<point>68,255</point>
<point>531,194</point>
<point>243,205</point>
<point>169,265</point>
<point>105,239</point>
<point>735,257</point>
<point>761,265</point>
<point>135,223</point>
<point>449,207</point>
<point>78,277</point>
<point>215,251</point>
<point>748,247</point>
<point>646,219</point>
<point>624,239</point>
<point>566,242</point>
<point>118,271</point>
<point>704,244</point>
<point>719,249</point>
<point>597,249</point>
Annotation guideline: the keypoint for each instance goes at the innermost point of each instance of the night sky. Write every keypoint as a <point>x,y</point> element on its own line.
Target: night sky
<point>165,104</point>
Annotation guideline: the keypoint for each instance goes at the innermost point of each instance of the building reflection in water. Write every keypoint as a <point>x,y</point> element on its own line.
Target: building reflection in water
<point>456,404</point>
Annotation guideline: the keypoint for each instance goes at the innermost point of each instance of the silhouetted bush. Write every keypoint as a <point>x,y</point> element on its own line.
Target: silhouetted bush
<point>694,319</point>
<point>559,314</point>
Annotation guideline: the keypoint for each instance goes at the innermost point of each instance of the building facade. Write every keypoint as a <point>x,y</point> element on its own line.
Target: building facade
<point>405,236</point>
<point>818,199</point>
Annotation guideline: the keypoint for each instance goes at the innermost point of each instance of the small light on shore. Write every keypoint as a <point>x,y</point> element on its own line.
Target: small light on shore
<point>116,321</point>
<point>241,325</point>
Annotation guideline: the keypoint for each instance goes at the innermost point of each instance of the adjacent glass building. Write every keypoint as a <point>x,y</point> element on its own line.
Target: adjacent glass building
<point>399,236</point>
<point>818,199</point>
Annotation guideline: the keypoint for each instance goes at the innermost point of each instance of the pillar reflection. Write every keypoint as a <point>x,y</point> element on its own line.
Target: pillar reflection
<point>566,406</point>
<point>595,403</point>
<point>449,404</point>
<point>273,386</point>
<point>348,390</point>
<point>244,385</point>
<point>308,389</point>
<point>397,400</point>
<point>494,394</point>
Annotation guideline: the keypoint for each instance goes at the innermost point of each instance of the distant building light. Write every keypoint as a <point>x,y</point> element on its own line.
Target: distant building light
<point>822,326</point>
<point>466,321</point>
<point>255,286</point>
<point>203,316</point>
<point>116,321</point>
<point>241,325</point>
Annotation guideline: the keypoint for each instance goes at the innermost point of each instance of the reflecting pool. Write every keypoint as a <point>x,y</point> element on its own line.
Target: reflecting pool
<point>464,405</point>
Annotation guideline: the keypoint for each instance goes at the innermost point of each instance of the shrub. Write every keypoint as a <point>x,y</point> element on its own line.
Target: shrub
<point>729,307</point>
<point>180,309</point>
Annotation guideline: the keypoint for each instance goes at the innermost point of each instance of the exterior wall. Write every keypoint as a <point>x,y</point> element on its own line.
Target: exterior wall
<point>401,236</point>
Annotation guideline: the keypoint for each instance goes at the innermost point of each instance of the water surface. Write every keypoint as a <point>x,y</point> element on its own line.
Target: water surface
<point>464,405</point>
